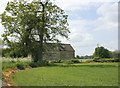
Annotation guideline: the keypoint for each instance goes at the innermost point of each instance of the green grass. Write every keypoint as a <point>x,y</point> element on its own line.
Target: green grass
<point>103,74</point>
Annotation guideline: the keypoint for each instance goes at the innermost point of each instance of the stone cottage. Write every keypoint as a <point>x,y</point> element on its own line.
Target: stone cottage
<point>58,51</point>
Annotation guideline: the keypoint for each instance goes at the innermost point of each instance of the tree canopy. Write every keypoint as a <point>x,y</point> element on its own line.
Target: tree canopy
<point>28,25</point>
<point>102,52</point>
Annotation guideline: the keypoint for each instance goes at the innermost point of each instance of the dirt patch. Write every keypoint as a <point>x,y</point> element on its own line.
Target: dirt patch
<point>8,76</point>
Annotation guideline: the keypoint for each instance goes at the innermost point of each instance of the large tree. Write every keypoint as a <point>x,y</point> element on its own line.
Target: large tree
<point>29,25</point>
<point>101,52</point>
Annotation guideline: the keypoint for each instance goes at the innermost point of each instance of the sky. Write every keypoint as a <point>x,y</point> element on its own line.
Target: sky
<point>91,22</point>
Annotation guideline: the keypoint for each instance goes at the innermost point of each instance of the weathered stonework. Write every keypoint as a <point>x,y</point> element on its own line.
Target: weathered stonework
<point>59,51</point>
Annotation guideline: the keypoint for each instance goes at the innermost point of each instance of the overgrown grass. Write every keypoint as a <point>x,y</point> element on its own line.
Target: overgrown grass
<point>21,63</point>
<point>15,63</point>
<point>98,74</point>
<point>16,59</point>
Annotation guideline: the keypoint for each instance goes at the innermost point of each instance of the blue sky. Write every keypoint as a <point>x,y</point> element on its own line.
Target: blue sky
<point>90,21</point>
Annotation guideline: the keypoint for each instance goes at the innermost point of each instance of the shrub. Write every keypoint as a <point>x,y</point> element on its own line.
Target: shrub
<point>33,64</point>
<point>107,60</point>
<point>6,65</point>
<point>20,66</point>
<point>52,61</point>
<point>59,61</point>
<point>89,61</point>
<point>75,61</point>
<point>45,62</point>
<point>117,60</point>
<point>56,61</point>
<point>12,61</point>
<point>96,59</point>
<point>68,62</point>
<point>39,64</point>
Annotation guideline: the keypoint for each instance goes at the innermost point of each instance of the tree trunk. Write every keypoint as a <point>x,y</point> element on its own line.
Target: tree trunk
<point>40,51</point>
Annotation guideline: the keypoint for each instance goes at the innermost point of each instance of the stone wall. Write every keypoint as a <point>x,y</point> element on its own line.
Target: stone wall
<point>52,56</point>
<point>66,55</point>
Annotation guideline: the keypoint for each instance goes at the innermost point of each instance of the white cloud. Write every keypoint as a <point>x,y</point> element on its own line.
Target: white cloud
<point>79,4</point>
<point>108,19</point>
<point>112,45</point>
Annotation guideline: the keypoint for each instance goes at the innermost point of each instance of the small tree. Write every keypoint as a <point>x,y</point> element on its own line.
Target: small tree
<point>101,52</point>
<point>77,57</point>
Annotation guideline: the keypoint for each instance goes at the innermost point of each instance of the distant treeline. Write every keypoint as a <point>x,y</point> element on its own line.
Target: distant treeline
<point>102,53</point>
<point>99,52</point>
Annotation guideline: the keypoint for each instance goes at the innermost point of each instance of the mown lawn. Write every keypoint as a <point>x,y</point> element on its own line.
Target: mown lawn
<point>103,74</point>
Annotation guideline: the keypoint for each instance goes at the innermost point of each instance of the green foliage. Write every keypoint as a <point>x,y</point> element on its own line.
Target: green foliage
<point>13,64</point>
<point>12,61</point>
<point>39,64</point>
<point>33,64</point>
<point>9,52</point>
<point>75,61</point>
<point>89,61</point>
<point>72,61</point>
<point>65,61</point>
<point>77,57</point>
<point>1,45</point>
<point>107,60</point>
<point>56,61</point>
<point>101,52</point>
<point>31,24</point>
<point>5,52</point>
<point>6,65</point>
<point>96,59</point>
<point>68,62</point>
<point>0,41</point>
<point>20,66</point>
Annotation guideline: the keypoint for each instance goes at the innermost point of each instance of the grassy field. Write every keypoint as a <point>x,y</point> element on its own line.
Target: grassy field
<point>98,74</point>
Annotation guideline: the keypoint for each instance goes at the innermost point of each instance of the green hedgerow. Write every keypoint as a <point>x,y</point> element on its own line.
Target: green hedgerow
<point>75,61</point>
